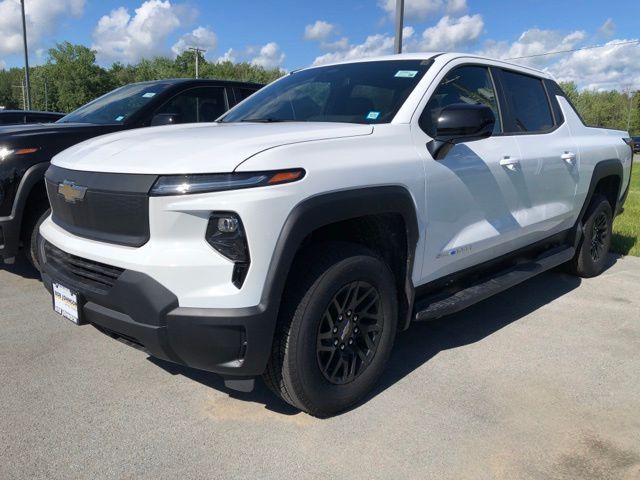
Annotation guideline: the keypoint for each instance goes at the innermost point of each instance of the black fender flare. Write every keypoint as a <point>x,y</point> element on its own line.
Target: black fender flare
<point>603,169</point>
<point>32,176</point>
<point>325,209</point>
<point>13,227</point>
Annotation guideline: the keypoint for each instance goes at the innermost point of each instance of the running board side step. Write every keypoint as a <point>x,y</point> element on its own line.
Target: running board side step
<point>436,306</point>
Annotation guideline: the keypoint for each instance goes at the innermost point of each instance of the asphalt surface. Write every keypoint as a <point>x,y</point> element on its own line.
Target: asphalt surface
<point>539,382</point>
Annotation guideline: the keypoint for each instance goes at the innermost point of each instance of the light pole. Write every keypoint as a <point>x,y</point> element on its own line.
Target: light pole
<point>197,51</point>
<point>397,48</point>
<point>26,58</point>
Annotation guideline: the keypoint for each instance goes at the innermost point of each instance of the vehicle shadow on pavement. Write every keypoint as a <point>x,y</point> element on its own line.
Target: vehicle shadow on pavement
<point>260,394</point>
<point>424,340</point>
<point>21,268</point>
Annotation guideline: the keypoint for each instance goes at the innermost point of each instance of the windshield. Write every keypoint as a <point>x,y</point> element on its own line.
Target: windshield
<point>116,106</point>
<point>365,92</point>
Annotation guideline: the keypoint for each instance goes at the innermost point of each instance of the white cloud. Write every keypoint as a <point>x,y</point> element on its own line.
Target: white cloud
<point>451,33</point>
<point>229,56</point>
<point>456,6</point>
<point>373,46</point>
<point>201,37</point>
<point>606,68</point>
<point>340,44</point>
<point>269,56</point>
<point>533,42</point>
<point>609,67</point>
<point>608,28</point>
<point>123,37</point>
<point>318,30</point>
<point>43,18</point>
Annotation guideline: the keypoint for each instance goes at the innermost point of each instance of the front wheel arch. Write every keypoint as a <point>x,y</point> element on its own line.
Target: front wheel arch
<point>329,208</point>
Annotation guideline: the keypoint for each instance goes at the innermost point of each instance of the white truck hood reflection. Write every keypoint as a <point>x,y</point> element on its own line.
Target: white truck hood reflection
<point>194,148</point>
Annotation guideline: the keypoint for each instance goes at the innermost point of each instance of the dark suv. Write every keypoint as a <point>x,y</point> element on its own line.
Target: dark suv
<point>16,117</point>
<point>26,150</point>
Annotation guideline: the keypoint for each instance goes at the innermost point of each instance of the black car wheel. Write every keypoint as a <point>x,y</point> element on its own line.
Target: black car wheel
<point>591,258</point>
<point>336,329</point>
<point>31,234</point>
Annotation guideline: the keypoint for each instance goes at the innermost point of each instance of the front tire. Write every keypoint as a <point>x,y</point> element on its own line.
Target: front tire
<point>336,329</point>
<point>591,258</point>
<point>32,237</point>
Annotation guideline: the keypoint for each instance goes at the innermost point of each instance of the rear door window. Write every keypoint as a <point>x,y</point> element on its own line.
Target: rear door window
<point>528,103</point>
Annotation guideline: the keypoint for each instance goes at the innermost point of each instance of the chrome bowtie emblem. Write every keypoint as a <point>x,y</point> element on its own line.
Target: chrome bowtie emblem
<point>71,192</point>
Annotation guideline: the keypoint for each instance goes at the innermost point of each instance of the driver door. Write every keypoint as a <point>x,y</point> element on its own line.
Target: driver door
<point>473,193</point>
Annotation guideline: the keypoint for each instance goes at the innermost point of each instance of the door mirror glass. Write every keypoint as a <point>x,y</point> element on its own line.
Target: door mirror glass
<point>166,119</point>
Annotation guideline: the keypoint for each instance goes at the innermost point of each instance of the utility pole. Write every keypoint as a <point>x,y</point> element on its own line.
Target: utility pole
<point>26,59</point>
<point>629,92</point>
<point>197,51</point>
<point>397,48</point>
<point>46,96</point>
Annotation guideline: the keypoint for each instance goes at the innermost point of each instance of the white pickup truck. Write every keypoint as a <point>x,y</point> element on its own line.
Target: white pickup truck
<point>293,238</point>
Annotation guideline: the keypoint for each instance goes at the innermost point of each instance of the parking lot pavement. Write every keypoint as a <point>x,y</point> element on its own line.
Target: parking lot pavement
<point>539,382</point>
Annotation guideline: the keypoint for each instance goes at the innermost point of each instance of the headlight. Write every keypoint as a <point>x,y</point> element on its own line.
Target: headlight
<point>218,182</point>
<point>5,152</point>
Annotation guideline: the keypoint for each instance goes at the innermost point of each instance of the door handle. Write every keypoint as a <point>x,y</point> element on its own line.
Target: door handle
<point>569,157</point>
<point>509,163</point>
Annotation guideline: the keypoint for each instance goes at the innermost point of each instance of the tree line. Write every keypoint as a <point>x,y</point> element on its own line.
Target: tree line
<point>70,78</point>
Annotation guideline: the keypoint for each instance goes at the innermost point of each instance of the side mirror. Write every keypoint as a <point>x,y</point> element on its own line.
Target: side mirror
<point>460,122</point>
<point>165,119</point>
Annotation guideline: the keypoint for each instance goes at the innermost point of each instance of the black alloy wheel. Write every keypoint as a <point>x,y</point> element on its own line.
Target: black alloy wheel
<point>349,332</point>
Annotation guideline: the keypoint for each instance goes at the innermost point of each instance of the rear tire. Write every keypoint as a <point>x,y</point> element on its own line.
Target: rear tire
<point>32,237</point>
<point>591,257</point>
<point>336,329</point>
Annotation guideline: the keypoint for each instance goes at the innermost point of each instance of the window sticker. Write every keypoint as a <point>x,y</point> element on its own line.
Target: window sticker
<point>119,118</point>
<point>373,115</point>
<point>406,73</point>
<point>148,94</point>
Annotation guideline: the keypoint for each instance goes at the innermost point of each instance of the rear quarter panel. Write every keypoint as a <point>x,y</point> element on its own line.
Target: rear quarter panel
<point>595,145</point>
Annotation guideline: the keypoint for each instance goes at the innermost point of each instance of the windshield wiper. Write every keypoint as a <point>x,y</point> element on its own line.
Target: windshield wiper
<point>265,120</point>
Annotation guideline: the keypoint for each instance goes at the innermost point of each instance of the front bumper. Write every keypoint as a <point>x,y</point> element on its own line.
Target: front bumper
<point>231,342</point>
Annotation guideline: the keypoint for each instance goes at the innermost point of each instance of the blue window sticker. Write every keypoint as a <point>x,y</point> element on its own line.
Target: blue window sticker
<point>406,73</point>
<point>373,115</point>
<point>119,118</point>
<point>149,95</point>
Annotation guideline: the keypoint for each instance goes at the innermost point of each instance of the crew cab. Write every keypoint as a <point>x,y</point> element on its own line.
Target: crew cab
<point>297,235</point>
<point>25,150</point>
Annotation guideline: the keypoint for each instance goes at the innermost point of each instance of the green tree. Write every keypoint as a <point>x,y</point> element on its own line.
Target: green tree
<point>72,77</point>
<point>75,77</point>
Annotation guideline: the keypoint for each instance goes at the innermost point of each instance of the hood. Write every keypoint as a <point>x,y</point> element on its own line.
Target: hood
<point>21,132</point>
<point>28,128</point>
<point>194,148</point>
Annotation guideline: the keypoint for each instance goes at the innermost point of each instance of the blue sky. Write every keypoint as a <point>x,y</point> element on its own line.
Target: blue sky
<point>285,33</point>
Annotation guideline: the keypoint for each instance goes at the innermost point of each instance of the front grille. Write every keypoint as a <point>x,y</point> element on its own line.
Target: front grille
<point>114,208</point>
<point>83,272</point>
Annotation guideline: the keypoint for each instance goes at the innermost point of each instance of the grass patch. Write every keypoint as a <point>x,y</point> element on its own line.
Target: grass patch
<point>626,228</point>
